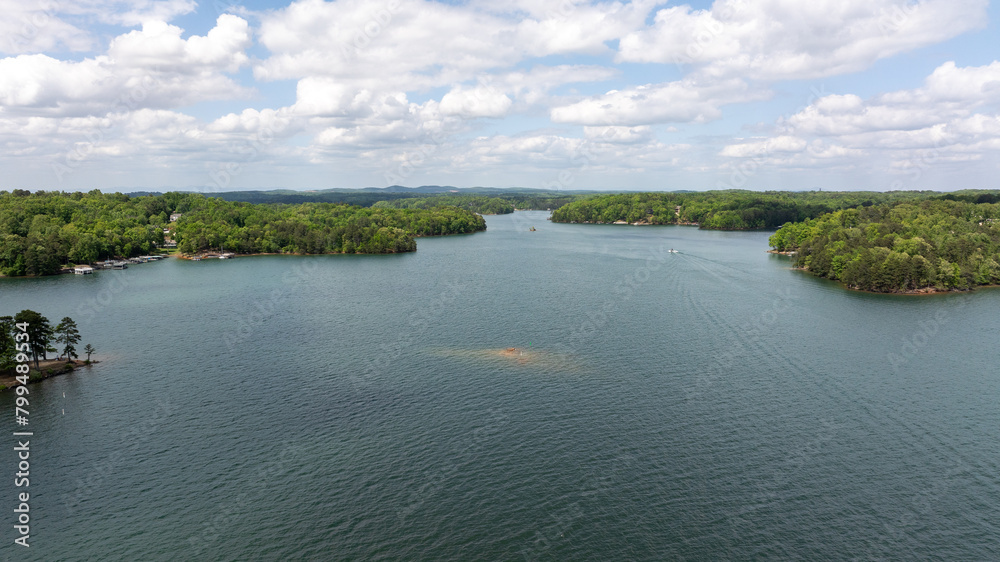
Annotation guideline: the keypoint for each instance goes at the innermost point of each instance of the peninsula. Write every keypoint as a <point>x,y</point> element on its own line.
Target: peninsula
<point>25,341</point>
<point>943,244</point>
<point>43,233</point>
<point>730,209</point>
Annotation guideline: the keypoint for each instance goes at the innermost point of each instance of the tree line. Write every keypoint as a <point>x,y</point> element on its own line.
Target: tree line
<point>941,243</point>
<point>721,210</point>
<point>313,228</point>
<point>42,232</point>
<point>481,204</point>
<point>37,339</point>
<point>485,204</point>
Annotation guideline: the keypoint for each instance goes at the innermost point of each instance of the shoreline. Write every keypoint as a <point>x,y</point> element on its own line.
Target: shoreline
<point>69,269</point>
<point>920,292</point>
<point>212,255</point>
<point>46,370</point>
<point>231,255</point>
<point>679,223</point>
<point>642,223</point>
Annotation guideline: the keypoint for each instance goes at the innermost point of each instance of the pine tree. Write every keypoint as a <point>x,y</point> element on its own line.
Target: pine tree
<point>8,352</point>
<point>39,332</point>
<point>68,335</point>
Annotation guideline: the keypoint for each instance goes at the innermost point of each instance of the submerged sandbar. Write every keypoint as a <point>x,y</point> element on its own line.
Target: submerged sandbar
<point>525,356</point>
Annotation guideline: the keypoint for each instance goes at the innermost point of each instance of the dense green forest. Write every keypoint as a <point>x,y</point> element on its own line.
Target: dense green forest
<point>43,231</point>
<point>314,228</point>
<point>945,243</point>
<point>545,202</point>
<point>39,232</point>
<point>360,197</point>
<point>722,210</point>
<point>481,204</point>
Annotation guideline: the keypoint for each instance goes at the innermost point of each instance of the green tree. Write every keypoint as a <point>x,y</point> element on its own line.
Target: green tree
<point>901,246</point>
<point>68,335</point>
<point>8,351</point>
<point>88,349</point>
<point>39,333</point>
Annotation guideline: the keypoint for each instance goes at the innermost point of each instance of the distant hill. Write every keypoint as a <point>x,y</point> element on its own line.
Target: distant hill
<point>367,196</point>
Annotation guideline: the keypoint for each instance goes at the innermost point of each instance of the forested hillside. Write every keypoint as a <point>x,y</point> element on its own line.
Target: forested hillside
<point>43,231</point>
<point>39,232</point>
<point>314,228</point>
<point>476,203</point>
<point>483,204</point>
<point>429,196</point>
<point>941,243</point>
<point>721,210</point>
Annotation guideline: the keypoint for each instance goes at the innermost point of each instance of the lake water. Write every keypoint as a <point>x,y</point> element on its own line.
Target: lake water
<point>708,404</point>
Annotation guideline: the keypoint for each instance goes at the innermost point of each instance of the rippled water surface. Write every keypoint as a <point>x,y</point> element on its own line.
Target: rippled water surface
<point>702,405</point>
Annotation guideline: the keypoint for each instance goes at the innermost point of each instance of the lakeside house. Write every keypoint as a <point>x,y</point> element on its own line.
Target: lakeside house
<point>175,216</point>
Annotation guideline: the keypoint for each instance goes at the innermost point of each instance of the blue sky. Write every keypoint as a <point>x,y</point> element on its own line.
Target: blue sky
<point>645,95</point>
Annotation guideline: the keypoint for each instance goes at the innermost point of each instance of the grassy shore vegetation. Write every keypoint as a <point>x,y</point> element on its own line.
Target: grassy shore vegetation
<point>42,232</point>
<point>945,243</point>
<point>722,210</point>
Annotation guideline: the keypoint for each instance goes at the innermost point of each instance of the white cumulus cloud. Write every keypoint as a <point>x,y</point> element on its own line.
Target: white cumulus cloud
<point>480,101</point>
<point>685,100</point>
<point>790,39</point>
<point>153,67</point>
<point>949,120</point>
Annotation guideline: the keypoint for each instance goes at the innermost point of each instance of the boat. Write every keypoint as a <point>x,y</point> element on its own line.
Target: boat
<point>532,229</point>
<point>671,251</point>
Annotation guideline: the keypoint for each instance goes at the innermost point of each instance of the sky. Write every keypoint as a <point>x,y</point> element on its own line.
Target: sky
<point>561,95</point>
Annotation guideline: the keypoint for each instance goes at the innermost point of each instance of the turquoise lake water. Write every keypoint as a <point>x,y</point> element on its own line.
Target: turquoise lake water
<point>710,404</point>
